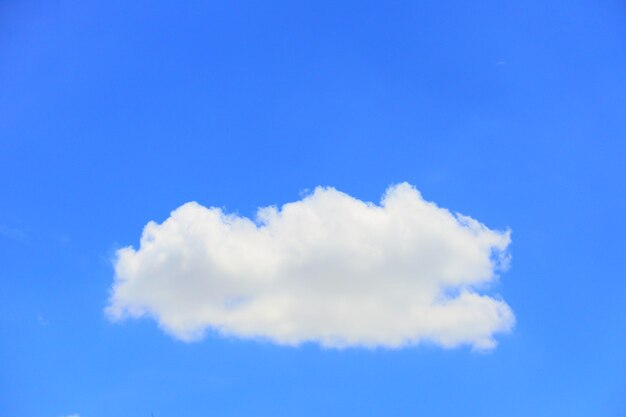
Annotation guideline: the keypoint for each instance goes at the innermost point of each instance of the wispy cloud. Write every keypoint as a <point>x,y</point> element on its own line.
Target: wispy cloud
<point>13,233</point>
<point>329,269</point>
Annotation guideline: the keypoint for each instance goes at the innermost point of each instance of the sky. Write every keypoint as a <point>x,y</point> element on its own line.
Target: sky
<point>312,208</point>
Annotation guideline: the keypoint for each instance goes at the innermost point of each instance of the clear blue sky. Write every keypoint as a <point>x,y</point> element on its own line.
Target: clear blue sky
<point>115,113</point>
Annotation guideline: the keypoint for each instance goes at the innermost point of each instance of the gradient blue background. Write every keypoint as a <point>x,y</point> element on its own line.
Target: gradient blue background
<point>114,113</point>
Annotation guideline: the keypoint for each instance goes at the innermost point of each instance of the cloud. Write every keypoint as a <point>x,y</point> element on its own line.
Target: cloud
<point>329,269</point>
<point>14,234</point>
<point>73,415</point>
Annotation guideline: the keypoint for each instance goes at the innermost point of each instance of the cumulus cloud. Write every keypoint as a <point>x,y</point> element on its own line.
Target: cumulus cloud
<point>329,269</point>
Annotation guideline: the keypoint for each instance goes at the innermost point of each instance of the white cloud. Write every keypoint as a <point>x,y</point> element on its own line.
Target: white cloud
<point>329,269</point>
<point>15,234</point>
<point>73,415</point>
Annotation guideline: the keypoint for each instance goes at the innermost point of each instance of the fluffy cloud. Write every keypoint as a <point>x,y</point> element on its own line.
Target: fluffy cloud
<point>329,269</point>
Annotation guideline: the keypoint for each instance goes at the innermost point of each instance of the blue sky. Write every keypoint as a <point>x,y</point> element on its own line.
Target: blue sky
<point>114,114</point>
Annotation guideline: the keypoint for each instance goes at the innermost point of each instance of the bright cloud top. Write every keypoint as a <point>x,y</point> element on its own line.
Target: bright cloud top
<point>329,269</point>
